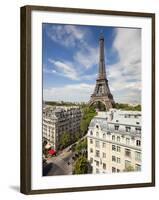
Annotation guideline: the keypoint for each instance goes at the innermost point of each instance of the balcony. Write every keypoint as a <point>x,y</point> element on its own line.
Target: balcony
<point>124,132</point>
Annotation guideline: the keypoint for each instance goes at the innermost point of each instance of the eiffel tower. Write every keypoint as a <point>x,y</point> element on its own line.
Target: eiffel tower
<point>102,92</point>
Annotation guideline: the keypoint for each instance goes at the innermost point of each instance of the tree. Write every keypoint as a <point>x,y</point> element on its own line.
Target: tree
<point>88,114</point>
<point>83,126</point>
<point>81,146</point>
<point>99,105</point>
<point>65,140</point>
<point>129,168</point>
<point>123,106</point>
<point>81,166</point>
<point>138,107</point>
<point>76,136</point>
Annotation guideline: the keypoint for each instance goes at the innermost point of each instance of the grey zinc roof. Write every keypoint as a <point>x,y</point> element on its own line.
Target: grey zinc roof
<point>120,119</point>
<point>101,122</point>
<point>58,110</point>
<point>117,118</point>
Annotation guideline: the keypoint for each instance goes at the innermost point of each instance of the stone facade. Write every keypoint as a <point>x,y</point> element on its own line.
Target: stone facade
<point>58,120</point>
<point>114,141</point>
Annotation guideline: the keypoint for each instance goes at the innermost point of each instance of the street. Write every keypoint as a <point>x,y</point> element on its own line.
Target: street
<point>62,163</point>
<point>59,165</point>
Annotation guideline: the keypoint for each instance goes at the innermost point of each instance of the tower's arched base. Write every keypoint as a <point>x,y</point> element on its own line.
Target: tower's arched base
<point>107,103</point>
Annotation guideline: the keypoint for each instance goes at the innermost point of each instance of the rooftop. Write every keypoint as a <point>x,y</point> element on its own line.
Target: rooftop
<point>54,112</point>
<point>114,116</point>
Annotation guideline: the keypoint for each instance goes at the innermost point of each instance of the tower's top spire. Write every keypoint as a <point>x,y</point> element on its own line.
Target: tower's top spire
<point>102,73</point>
<point>101,37</point>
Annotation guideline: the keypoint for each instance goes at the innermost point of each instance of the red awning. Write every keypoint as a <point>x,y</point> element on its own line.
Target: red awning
<point>52,152</point>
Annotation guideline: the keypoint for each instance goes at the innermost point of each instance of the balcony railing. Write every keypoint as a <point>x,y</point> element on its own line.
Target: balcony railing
<point>131,132</point>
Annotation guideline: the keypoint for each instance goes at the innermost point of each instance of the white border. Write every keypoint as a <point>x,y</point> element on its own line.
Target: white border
<point>39,182</point>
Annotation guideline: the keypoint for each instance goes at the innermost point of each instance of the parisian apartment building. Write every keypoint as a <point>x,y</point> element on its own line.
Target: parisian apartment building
<point>58,120</point>
<point>114,141</point>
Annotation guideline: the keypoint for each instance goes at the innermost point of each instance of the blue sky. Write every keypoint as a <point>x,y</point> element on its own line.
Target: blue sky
<point>70,62</point>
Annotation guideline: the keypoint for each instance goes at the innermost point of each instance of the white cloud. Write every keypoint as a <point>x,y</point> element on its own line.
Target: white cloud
<point>125,76</point>
<point>66,35</point>
<point>75,93</point>
<point>87,56</point>
<point>65,69</point>
<point>88,77</point>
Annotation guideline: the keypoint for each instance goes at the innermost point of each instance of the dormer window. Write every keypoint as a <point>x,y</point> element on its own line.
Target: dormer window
<point>138,130</point>
<point>113,137</point>
<point>127,141</point>
<point>128,128</point>
<point>116,127</point>
<point>118,138</point>
<point>97,134</point>
<point>138,143</point>
<point>97,126</point>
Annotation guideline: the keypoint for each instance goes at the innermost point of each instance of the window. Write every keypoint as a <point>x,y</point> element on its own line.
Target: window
<point>128,153</point>
<point>137,156</point>
<point>127,141</point>
<point>104,136</point>
<point>113,169</point>
<point>113,137</point>
<point>113,158</point>
<point>108,133</point>
<point>104,155</point>
<point>97,143</point>
<point>128,128</point>
<point>118,160</point>
<point>91,132</point>
<point>97,153</point>
<point>91,150</point>
<point>138,143</point>
<point>97,170</point>
<point>91,160</point>
<point>91,141</point>
<point>104,166</point>
<point>118,139</point>
<point>138,130</point>
<point>116,127</point>
<point>104,144</point>
<point>97,126</point>
<point>97,134</point>
<point>118,149</point>
<point>97,163</point>
<point>127,116</point>
<point>113,148</point>
<point>118,170</point>
<point>127,163</point>
<point>138,167</point>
